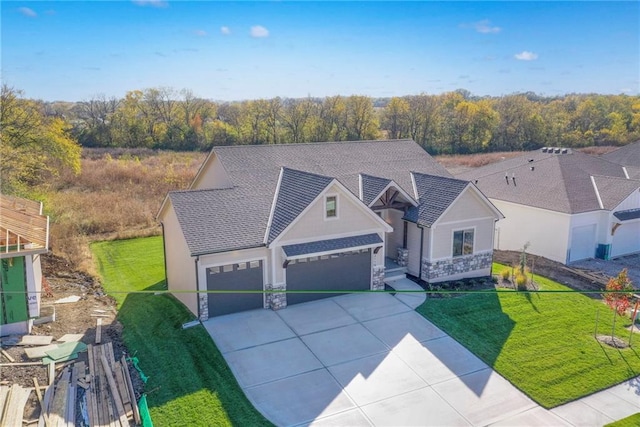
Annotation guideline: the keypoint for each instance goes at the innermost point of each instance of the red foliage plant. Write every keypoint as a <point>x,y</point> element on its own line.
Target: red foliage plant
<point>620,292</point>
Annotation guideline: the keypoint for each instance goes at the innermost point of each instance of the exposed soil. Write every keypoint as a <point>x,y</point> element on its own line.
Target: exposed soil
<point>70,318</point>
<point>555,271</point>
<point>614,342</point>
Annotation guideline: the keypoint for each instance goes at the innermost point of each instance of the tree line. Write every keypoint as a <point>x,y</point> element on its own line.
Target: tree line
<point>449,123</point>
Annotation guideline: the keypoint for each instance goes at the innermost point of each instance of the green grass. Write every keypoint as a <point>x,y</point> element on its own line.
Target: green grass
<point>189,381</point>
<point>542,343</point>
<point>630,421</point>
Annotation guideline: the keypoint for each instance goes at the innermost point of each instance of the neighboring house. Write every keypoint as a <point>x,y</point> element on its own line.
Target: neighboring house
<point>567,205</point>
<point>24,236</point>
<point>319,217</point>
<point>627,156</point>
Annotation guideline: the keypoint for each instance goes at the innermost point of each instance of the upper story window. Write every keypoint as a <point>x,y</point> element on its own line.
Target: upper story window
<point>331,207</point>
<point>463,242</point>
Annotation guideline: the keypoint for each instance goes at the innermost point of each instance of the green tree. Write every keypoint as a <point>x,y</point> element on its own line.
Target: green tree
<point>395,118</point>
<point>32,146</point>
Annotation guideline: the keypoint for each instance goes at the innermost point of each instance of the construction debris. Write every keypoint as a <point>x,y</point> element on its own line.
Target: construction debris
<point>36,340</point>
<point>69,299</point>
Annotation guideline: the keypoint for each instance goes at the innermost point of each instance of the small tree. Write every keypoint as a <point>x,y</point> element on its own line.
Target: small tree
<point>523,258</point>
<point>618,295</point>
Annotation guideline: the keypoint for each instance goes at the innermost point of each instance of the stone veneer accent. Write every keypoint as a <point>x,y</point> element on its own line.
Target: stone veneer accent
<point>457,265</point>
<point>278,300</point>
<point>377,273</point>
<point>203,305</point>
<point>403,257</point>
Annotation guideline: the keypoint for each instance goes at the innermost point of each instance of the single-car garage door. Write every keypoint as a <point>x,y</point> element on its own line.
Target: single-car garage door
<point>347,271</point>
<point>244,276</point>
<point>583,242</point>
<point>626,239</point>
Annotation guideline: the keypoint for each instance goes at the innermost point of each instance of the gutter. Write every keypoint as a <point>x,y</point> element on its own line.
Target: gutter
<point>197,285</point>
<point>164,254</point>
<point>421,249</point>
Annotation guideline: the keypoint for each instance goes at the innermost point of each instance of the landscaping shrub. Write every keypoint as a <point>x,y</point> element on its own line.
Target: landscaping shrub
<point>505,274</point>
<point>521,282</point>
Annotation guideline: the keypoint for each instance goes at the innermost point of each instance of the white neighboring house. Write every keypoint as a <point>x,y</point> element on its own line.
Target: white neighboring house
<point>319,217</point>
<point>24,236</point>
<point>567,205</point>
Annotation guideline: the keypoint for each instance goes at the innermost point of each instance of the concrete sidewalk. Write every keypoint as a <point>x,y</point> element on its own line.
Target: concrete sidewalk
<point>370,359</point>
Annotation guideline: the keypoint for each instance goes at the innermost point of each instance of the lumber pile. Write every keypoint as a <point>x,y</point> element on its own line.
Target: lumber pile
<point>96,393</point>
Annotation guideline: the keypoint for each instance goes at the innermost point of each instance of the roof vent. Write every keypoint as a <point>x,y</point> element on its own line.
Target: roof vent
<point>506,177</point>
<point>556,150</point>
<point>530,160</point>
<point>533,168</point>
<point>544,149</point>
<point>565,151</point>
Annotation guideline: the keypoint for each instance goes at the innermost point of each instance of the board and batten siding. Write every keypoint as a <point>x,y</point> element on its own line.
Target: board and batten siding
<point>352,220</point>
<point>547,232</point>
<point>181,269</point>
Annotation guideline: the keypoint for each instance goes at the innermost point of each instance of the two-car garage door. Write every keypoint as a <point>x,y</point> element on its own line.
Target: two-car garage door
<point>346,271</point>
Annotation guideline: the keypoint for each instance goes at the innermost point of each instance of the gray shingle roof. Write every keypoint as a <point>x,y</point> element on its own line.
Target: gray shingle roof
<point>372,186</point>
<point>219,220</point>
<point>614,190</point>
<point>332,245</point>
<point>297,190</point>
<point>627,215</point>
<point>558,182</point>
<point>628,155</point>
<point>435,195</point>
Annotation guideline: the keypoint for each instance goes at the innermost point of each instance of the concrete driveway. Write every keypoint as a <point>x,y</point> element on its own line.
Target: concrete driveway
<point>365,359</point>
<point>370,359</point>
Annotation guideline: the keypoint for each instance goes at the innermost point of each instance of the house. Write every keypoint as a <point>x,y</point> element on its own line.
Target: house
<point>567,205</point>
<point>319,217</point>
<point>24,236</point>
<point>629,157</point>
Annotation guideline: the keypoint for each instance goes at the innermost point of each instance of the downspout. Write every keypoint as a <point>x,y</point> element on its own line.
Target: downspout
<point>421,249</point>
<point>197,285</point>
<point>164,254</point>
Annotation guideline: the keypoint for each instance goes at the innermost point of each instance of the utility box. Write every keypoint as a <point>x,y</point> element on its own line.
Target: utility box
<point>603,251</point>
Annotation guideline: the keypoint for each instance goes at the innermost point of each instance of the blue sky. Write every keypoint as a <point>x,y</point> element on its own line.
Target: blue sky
<point>72,51</point>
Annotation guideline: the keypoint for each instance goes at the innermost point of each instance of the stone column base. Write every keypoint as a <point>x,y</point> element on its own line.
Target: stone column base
<point>278,300</point>
<point>203,305</point>
<point>377,273</point>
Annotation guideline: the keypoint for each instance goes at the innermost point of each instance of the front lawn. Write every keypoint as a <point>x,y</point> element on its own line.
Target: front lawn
<point>189,381</point>
<point>543,343</point>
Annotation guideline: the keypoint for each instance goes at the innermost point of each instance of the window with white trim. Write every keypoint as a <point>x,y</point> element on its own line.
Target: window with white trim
<point>331,207</point>
<point>463,242</point>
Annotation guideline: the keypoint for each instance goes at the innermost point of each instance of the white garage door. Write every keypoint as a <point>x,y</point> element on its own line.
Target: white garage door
<point>626,239</point>
<point>583,242</point>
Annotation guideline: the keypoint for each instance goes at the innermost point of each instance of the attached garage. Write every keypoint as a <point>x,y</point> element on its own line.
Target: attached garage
<point>344,271</point>
<point>626,238</point>
<point>243,276</point>
<point>583,242</point>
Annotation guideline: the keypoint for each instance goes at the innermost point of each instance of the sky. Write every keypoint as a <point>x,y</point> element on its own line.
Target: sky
<point>76,50</point>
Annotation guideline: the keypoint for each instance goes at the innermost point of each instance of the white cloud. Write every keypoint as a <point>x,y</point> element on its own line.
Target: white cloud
<point>200,33</point>
<point>27,12</point>
<point>225,30</point>
<point>525,55</point>
<point>153,3</point>
<point>485,27</point>
<point>258,31</point>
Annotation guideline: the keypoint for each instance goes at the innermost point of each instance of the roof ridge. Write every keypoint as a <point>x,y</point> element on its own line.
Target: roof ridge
<point>284,168</point>
<point>441,177</point>
<point>289,144</point>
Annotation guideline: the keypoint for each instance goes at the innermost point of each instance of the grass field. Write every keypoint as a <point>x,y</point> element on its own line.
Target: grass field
<point>190,384</point>
<point>631,421</point>
<point>543,343</point>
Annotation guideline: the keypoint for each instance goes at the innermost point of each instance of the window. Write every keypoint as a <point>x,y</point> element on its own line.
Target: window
<point>463,242</point>
<point>331,207</point>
